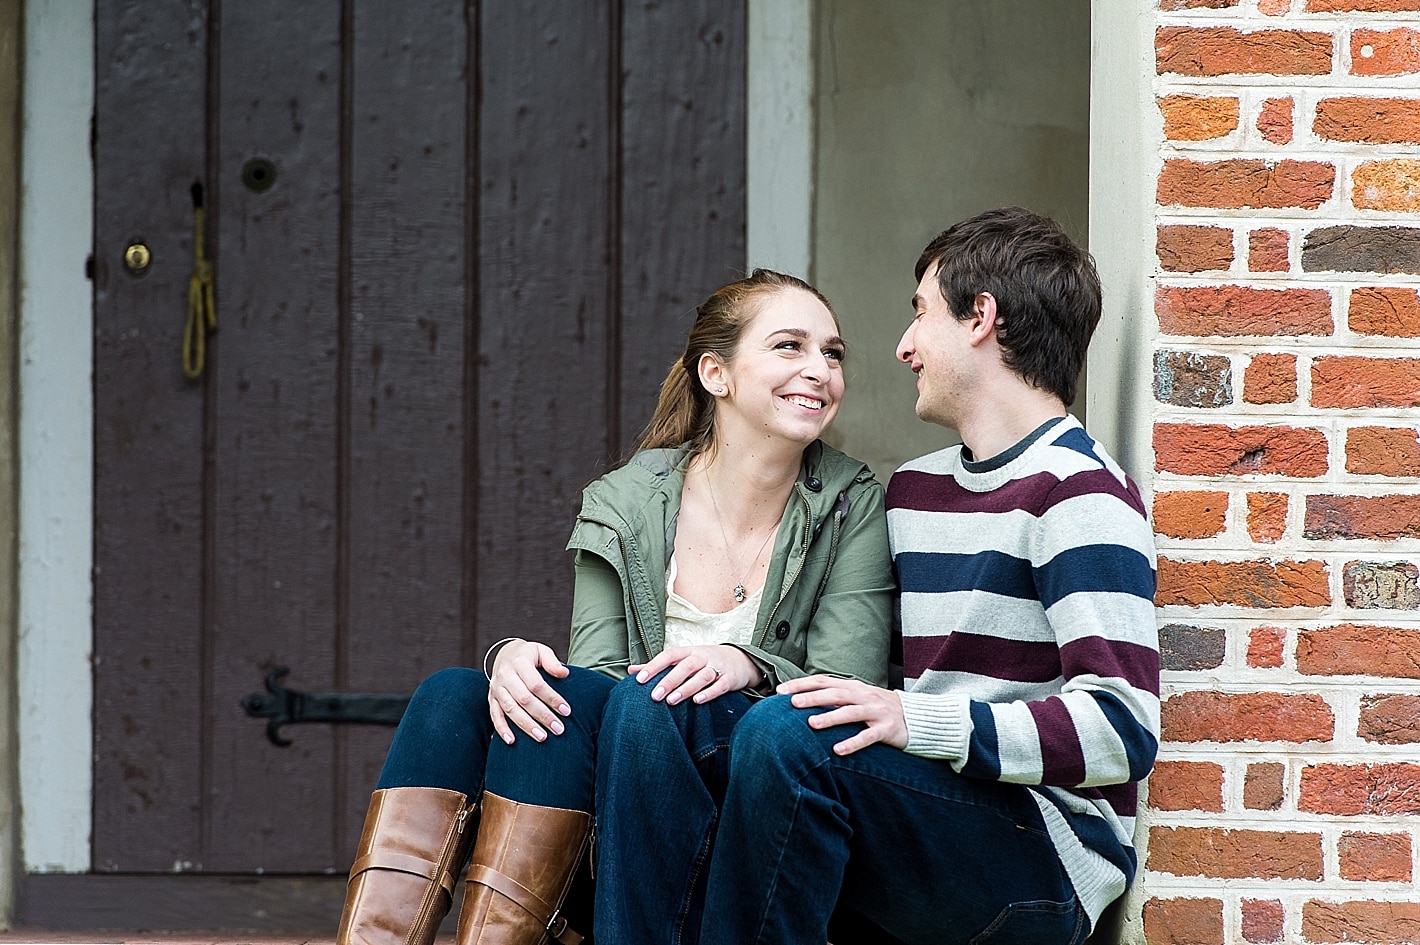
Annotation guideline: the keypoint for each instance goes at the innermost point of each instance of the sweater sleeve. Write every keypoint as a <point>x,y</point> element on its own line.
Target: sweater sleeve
<point>1092,565</point>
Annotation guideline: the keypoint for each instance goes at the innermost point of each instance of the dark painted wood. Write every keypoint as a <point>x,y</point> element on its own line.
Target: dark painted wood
<point>148,439</point>
<point>682,183</point>
<point>451,310</point>
<point>261,904</point>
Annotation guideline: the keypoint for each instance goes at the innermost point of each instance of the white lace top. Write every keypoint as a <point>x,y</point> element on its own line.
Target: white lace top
<point>688,625</point>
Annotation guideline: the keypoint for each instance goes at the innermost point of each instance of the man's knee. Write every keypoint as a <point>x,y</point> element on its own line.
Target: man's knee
<point>775,733</point>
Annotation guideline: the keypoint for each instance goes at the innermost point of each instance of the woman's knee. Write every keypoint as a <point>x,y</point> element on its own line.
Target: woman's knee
<point>451,695</point>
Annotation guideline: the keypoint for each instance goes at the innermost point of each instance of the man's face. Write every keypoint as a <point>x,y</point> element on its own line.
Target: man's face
<point>936,347</point>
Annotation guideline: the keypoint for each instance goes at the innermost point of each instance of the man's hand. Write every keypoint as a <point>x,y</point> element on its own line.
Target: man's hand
<point>879,709</point>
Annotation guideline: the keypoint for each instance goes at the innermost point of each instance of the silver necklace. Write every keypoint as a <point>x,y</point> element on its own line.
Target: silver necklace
<point>729,558</point>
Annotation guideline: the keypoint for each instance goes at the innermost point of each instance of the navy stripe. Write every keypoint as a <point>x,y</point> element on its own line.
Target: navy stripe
<point>1096,834</point>
<point>1029,661</point>
<point>1140,745</point>
<point>1095,569</point>
<point>923,572</point>
<point>1079,441</point>
<point>983,754</point>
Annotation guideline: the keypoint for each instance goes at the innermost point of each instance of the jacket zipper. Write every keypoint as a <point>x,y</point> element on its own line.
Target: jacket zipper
<point>436,888</point>
<point>799,567</point>
<point>626,577</point>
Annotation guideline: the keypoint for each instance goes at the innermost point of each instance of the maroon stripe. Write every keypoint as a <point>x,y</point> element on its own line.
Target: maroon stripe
<point>1123,798</point>
<point>1016,660</point>
<point>1136,664</point>
<point>1062,759</point>
<point>1037,494</point>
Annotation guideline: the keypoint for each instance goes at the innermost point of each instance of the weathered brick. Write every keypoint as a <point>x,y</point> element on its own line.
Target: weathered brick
<point>1376,585</point>
<point>1245,183</point>
<point>1274,7</point>
<point>1376,923</point>
<point>1212,449</point>
<point>1184,647</point>
<point>1230,310</point>
<point>1171,5</point>
<point>1190,379</point>
<point>1361,6</point>
<point>1382,451</point>
<point>1242,583</point>
<point>1375,857</point>
<point>1275,120</point>
<point>1267,250</point>
<point>1343,381</point>
<point>1350,649</point>
<point>1368,120</point>
<point>1207,716</point>
<point>1264,786</point>
<point>1385,52</point>
<point>1266,647</point>
<point>1263,921</point>
<point>1384,310</point>
<point>1198,117</point>
<point>1183,921</point>
<point>1190,514</point>
<point>1188,248</point>
<point>1266,516</point>
<point>1390,719</point>
<point>1387,185</point>
<point>1270,378</point>
<point>1235,854</point>
<point>1379,517</point>
<point>1186,785</point>
<point>1362,249</point>
<point>1353,790</point>
<point>1210,51</point>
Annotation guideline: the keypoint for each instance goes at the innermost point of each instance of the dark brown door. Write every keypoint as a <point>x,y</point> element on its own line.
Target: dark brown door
<point>456,245</point>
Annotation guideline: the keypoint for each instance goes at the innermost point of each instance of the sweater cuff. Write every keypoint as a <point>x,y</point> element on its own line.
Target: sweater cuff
<point>938,724</point>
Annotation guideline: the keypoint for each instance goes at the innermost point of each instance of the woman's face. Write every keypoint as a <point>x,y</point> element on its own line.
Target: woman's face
<point>786,379</point>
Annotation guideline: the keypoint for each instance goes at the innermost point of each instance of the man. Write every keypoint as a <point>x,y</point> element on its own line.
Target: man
<point>993,798</point>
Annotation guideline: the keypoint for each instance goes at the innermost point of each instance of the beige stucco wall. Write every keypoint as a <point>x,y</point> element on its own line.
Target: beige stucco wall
<point>9,198</point>
<point>927,113</point>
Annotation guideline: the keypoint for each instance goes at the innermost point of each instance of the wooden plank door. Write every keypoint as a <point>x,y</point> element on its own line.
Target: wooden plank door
<point>456,245</point>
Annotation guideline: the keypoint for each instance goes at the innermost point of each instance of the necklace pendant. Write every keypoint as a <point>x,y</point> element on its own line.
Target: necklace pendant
<point>739,593</point>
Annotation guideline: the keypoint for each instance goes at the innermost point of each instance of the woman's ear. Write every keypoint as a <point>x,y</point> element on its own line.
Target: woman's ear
<point>712,374</point>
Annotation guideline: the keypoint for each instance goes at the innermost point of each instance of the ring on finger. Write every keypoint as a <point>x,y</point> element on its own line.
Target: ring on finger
<point>717,671</point>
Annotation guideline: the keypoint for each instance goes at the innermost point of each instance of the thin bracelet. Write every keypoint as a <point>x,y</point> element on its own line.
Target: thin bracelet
<point>493,653</point>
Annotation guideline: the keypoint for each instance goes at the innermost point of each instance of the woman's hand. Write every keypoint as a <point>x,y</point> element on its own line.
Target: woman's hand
<point>517,692</point>
<point>699,673</point>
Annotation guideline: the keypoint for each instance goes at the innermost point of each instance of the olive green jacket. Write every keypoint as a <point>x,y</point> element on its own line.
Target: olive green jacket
<point>833,609</point>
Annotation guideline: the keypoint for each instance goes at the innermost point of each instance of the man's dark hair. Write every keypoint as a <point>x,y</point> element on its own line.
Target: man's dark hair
<point>1046,289</point>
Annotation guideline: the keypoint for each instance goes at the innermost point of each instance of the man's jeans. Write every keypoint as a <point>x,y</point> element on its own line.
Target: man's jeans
<point>658,797</point>
<point>446,740</point>
<point>920,853</point>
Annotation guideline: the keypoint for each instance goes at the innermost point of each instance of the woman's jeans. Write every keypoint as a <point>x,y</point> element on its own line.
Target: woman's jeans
<point>876,846</point>
<point>661,777</point>
<point>446,740</point>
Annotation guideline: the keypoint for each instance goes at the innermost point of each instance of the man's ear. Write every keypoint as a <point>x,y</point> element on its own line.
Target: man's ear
<point>712,374</point>
<point>983,317</point>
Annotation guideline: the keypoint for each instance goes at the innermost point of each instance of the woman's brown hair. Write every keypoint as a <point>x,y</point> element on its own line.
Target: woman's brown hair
<point>685,411</point>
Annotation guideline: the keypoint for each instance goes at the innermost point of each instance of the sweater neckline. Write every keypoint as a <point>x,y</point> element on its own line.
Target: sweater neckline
<point>993,463</point>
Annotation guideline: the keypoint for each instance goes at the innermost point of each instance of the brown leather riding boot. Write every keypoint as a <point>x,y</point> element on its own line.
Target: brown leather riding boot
<point>522,867</point>
<point>414,843</point>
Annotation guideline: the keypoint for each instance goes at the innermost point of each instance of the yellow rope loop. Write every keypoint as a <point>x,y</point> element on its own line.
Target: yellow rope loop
<point>201,305</point>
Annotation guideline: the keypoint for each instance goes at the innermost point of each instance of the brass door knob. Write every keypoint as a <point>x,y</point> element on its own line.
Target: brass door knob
<point>137,257</point>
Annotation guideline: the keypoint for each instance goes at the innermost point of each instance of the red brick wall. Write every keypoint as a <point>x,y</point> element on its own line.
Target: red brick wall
<point>1286,473</point>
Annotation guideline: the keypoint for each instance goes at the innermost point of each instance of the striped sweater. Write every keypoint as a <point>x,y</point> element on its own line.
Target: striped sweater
<point>1030,650</point>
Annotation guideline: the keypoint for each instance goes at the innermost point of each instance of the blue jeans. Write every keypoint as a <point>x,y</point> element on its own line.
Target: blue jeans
<point>446,740</point>
<point>876,846</point>
<point>661,776</point>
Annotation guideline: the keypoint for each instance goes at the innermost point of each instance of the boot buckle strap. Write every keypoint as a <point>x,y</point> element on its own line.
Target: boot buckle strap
<point>510,888</point>
<point>558,931</point>
<point>403,863</point>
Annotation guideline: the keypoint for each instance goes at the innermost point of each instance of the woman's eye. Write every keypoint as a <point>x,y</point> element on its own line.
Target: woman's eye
<point>834,354</point>
<point>787,346</point>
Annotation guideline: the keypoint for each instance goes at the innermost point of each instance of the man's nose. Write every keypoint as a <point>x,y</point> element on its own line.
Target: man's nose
<point>905,346</point>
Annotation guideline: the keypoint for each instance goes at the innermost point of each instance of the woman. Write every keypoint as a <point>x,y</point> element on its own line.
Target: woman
<point>681,581</point>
